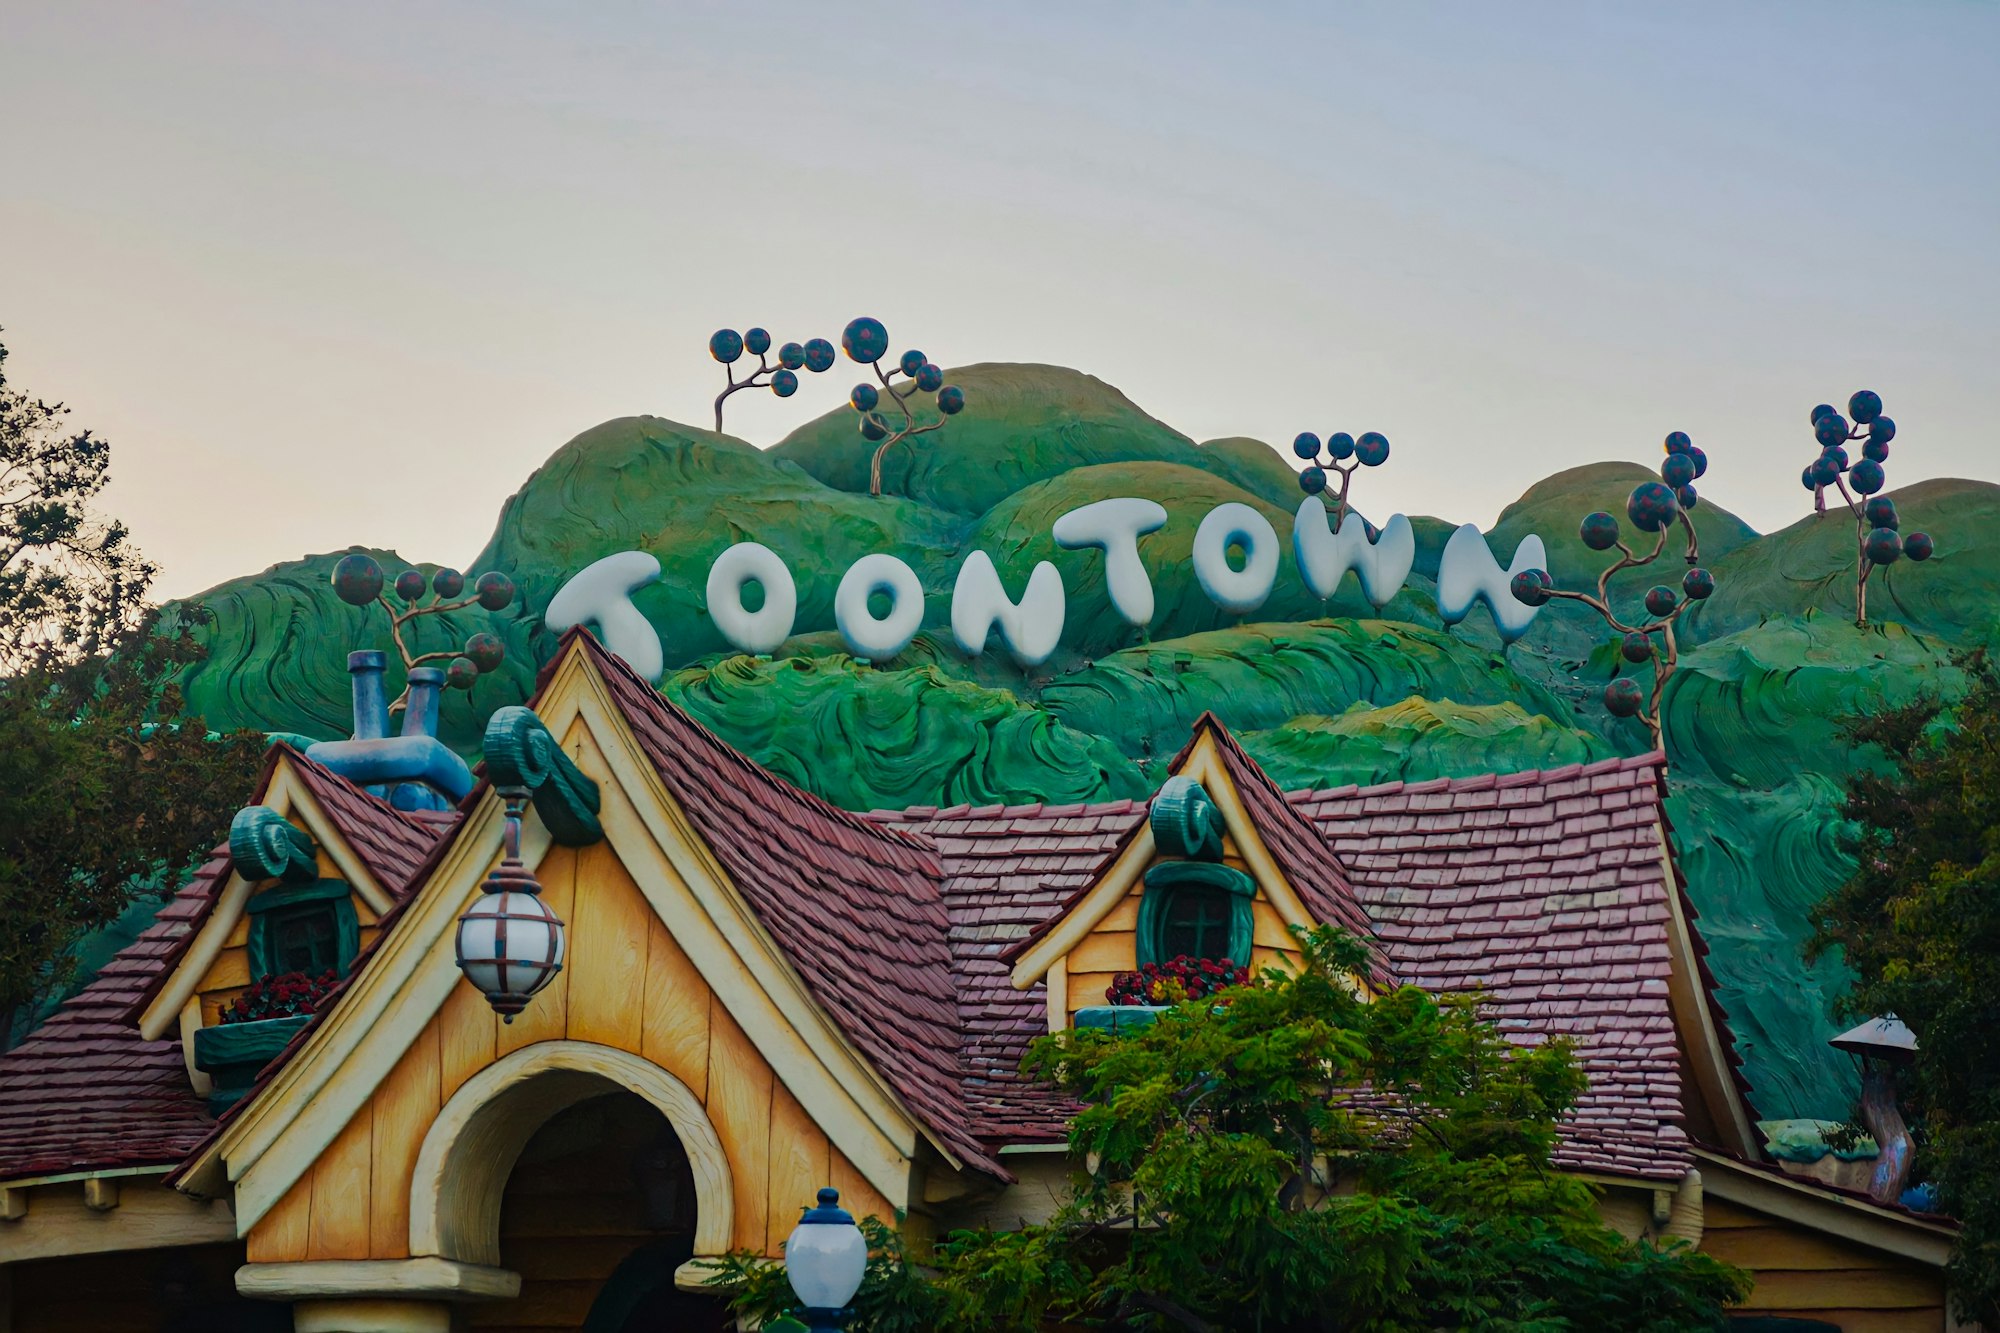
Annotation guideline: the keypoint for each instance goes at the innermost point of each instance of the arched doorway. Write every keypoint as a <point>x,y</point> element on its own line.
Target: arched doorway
<point>597,1213</point>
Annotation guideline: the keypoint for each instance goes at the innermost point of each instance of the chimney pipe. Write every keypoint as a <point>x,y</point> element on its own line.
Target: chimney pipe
<point>371,706</point>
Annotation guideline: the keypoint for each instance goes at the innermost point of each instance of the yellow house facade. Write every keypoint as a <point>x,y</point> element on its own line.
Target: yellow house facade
<point>760,995</point>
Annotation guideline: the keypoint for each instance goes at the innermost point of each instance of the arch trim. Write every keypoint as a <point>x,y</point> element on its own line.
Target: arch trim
<point>470,1148</point>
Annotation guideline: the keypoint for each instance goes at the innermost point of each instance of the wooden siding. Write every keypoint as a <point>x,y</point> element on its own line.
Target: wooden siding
<point>627,984</point>
<point>1113,947</point>
<point>1810,1275</point>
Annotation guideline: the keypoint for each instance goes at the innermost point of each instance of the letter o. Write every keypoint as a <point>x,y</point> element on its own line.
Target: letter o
<point>762,630</point>
<point>1238,590</point>
<point>878,640</point>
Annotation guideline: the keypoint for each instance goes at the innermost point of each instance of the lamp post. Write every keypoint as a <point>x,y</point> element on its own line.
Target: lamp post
<point>826,1257</point>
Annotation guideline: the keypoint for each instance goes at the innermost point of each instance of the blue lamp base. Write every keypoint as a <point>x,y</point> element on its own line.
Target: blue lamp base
<point>823,1321</point>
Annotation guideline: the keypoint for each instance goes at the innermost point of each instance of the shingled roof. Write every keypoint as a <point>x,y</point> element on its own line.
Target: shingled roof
<point>1546,892</point>
<point>858,907</point>
<point>87,1092</point>
<point>1008,869</point>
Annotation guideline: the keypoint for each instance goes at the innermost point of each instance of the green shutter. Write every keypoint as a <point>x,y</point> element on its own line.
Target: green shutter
<point>1164,879</point>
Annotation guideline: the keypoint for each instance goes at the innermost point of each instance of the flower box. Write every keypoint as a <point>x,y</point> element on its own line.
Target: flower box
<point>232,1054</point>
<point>1119,1017</point>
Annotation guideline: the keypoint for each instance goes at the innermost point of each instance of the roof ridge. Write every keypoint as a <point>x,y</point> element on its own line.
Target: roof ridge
<point>607,660</point>
<point>1522,777</point>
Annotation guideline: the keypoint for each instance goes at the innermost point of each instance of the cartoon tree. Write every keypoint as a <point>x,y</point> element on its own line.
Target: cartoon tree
<point>866,341</point>
<point>728,347</point>
<point>358,580</point>
<point>1341,454</point>
<point>1877,540</point>
<point>1654,507</point>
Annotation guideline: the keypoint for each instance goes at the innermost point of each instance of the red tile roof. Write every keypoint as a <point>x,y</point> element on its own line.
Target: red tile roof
<point>1546,892</point>
<point>85,1091</point>
<point>1008,869</point>
<point>856,906</point>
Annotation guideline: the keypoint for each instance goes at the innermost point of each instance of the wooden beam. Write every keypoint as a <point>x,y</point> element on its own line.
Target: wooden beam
<point>148,1216</point>
<point>13,1203</point>
<point>100,1195</point>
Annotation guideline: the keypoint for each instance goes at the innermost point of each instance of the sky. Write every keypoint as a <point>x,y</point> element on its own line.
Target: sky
<point>337,273</point>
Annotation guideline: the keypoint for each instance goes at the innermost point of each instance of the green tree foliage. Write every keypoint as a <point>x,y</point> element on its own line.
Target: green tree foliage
<point>1919,923</point>
<point>106,789</point>
<point>1236,1181</point>
<point>68,579</point>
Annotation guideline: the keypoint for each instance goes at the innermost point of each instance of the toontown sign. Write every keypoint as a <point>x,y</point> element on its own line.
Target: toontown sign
<point>879,605</point>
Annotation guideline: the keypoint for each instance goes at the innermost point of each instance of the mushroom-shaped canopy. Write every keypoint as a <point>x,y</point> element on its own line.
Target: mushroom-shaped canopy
<point>1884,1038</point>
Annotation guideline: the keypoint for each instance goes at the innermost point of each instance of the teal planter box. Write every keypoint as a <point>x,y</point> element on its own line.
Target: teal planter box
<point>231,1054</point>
<point>1119,1017</point>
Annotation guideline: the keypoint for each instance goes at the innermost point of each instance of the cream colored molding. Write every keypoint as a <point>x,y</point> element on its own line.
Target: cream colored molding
<point>401,987</point>
<point>742,965</point>
<point>1694,1019</point>
<point>191,1024</point>
<point>100,1194</point>
<point>290,798</point>
<point>331,840</point>
<point>371,1316</point>
<point>1056,981</point>
<point>1071,929</point>
<point>163,1015</point>
<point>109,1173</point>
<point>321,1279</point>
<point>13,1203</point>
<point>471,1147</point>
<point>1846,1216</point>
<point>58,1222</point>
<point>1203,765</point>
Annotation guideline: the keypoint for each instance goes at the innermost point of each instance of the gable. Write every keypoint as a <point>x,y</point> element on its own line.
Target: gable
<point>628,986</point>
<point>215,966</point>
<point>1098,934</point>
<point>401,987</point>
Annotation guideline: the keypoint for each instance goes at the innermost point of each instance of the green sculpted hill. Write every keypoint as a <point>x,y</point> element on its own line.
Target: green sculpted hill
<point>1323,693</point>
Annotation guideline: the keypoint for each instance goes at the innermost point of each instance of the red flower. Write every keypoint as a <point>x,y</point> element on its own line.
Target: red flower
<point>286,995</point>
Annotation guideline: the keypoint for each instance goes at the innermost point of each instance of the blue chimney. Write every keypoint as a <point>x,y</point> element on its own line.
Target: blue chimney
<point>371,705</point>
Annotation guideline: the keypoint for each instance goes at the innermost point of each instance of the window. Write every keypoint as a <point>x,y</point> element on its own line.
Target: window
<point>1195,909</point>
<point>310,928</point>
<point>305,938</point>
<point>1197,924</point>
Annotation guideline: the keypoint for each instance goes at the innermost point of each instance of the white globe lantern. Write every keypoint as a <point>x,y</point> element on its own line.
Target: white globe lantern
<point>826,1257</point>
<point>510,944</point>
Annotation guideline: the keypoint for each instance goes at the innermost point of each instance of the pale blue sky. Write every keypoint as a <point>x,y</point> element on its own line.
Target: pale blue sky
<point>333,273</point>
